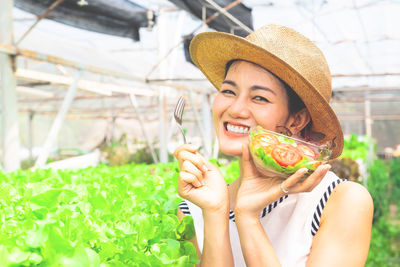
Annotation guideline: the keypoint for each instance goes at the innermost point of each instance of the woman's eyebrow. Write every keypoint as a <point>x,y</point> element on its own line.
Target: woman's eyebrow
<point>258,87</point>
<point>229,82</point>
<point>253,88</point>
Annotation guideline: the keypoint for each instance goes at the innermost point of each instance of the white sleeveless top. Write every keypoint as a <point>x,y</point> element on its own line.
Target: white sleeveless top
<point>290,223</point>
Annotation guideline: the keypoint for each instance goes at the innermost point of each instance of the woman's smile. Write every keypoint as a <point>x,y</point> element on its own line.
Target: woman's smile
<point>249,96</point>
<point>234,129</point>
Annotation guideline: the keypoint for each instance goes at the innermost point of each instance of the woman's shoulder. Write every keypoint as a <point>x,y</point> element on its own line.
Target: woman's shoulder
<point>352,194</point>
<point>348,200</point>
<point>345,227</point>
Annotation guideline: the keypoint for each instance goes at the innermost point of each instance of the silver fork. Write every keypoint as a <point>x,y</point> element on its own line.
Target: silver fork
<point>178,112</point>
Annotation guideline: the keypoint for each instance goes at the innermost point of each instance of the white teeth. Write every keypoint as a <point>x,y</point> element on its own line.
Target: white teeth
<point>237,129</point>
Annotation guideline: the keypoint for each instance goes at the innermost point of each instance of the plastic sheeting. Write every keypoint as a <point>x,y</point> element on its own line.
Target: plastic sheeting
<point>220,23</point>
<point>115,17</point>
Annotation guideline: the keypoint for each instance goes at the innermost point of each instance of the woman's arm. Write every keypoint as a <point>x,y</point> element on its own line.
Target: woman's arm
<point>201,183</point>
<point>345,228</point>
<point>256,192</point>
<point>256,247</point>
<point>217,249</point>
<point>343,237</point>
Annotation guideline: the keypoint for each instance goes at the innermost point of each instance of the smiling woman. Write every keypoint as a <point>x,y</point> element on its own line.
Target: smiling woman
<point>248,95</point>
<point>277,79</point>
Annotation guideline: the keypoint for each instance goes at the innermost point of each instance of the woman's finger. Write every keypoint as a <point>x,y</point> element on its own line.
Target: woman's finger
<point>189,178</point>
<point>195,159</point>
<point>189,167</point>
<point>294,178</point>
<point>315,178</point>
<point>208,165</point>
<point>294,186</point>
<point>249,170</point>
<point>188,147</point>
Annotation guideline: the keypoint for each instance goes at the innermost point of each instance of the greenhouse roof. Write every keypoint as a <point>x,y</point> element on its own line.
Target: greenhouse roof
<point>359,38</point>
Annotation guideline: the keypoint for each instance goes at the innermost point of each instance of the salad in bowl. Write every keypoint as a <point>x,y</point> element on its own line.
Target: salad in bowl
<point>279,155</point>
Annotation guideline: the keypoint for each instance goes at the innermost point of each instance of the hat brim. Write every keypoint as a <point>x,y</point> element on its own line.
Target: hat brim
<point>211,51</point>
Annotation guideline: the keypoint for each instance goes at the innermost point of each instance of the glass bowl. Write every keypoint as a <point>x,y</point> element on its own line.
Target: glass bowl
<point>279,155</point>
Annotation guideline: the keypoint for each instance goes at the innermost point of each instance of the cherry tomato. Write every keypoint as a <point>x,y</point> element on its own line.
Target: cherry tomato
<point>286,155</point>
<point>307,151</point>
<point>316,164</point>
<point>266,141</point>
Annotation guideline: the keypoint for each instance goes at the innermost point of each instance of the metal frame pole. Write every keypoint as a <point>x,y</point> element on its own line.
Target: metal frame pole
<point>229,16</point>
<point>47,12</point>
<point>368,131</point>
<point>8,84</point>
<point>139,116</point>
<point>198,123</point>
<point>162,49</point>
<point>202,25</point>
<point>30,135</point>
<point>58,121</point>
<point>367,113</point>
<point>207,123</point>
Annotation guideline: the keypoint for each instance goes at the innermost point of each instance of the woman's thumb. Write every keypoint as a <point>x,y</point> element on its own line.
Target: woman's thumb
<point>245,154</point>
<point>247,164</point>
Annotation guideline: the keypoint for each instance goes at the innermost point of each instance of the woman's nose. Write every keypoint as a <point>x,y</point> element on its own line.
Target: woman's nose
<point>239,108</point>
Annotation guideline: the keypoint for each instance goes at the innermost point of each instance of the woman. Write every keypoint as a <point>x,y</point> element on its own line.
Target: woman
<point>278,79</point>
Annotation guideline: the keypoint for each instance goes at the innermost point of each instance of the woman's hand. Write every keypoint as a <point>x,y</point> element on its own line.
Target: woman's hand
<point>256,192</point>
<point>200,181</point>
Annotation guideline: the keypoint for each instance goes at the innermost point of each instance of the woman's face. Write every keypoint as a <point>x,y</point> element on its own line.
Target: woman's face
<point>249,96</point>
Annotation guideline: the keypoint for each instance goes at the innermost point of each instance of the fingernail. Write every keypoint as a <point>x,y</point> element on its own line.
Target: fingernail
<point>327,167</point>
<point>205,168</point>
<point>303,170</point>
<point>203,183</point>
<point>195,147</point>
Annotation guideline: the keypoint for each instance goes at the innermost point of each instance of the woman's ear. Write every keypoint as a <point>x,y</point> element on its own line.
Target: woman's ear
<point>298,121</point>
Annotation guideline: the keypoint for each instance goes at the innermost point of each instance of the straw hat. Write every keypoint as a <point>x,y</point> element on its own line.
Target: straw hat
<point>287,54</point>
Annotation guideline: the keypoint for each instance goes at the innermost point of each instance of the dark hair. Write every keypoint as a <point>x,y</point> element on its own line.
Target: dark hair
<point>294,101</point>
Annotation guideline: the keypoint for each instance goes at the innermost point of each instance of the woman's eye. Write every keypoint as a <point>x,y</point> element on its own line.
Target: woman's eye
<point>228,92</point>
<point>260,98</point>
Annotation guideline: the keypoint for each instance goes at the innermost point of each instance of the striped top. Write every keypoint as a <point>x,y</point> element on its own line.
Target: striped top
<point>185,208</point>
<point>291,222</point>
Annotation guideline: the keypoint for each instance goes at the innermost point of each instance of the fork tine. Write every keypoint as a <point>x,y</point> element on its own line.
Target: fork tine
<point>176,108</point>
<point>179,107</point>
<point>178,112</point>
<point>182,106</point>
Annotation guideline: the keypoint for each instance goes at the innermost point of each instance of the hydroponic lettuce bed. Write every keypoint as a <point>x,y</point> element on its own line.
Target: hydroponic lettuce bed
<point>102,216</point>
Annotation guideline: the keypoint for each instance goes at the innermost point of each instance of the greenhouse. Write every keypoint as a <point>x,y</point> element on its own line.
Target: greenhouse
<point>88,91</point>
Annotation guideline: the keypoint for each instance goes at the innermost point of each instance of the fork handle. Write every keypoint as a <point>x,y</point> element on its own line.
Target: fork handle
<point>183,134</point>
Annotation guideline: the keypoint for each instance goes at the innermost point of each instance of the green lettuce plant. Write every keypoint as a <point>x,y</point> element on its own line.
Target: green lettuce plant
<point>102,216</point>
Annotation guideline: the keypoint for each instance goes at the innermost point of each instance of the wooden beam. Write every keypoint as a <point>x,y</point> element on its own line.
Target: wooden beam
<point>34,92</point>
<point>373,117</point>
<point>91,86</point>
<point>365,88</point>
<point>8,49</point>
<point>338,75</point>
